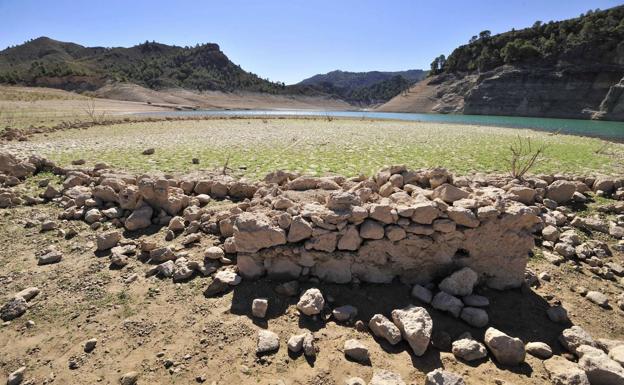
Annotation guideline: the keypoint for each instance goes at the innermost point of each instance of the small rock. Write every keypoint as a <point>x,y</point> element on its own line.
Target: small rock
<point>149,151</point>
<point>89,345</point>
<point>268,341</point>
<point>129,378</point>
<point>295,343</point>
<point>574,337</point>
<point>108,240</point>
<point>385,377</point>
<point>52,256</point>
<point>415,325</point>
<point>17,376</point>
<point>600,369</point>
<point>355,381</point>
<point>311,302</point>
<point>356,351</point>
<point>443,377</point>
<point>384,328</point>
<point>598,298</point>
<point>345,313</point>
<point>564,372</point>
<point>539,350</point>
<point>259,307</point>
<point>507,350</point>
<point>476,300</point>
<point>446,302</point>
<point>557,314</point>
<point>475,317</point>
<point>214,252</point>
<point>422,294</point>
<point>309,349</point>
<point>468,349</point>
<point>13,309</point>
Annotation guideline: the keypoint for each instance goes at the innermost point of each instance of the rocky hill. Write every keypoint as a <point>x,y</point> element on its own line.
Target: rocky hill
<point>569,69</point>
<point>47,62</point>
<point>362,87</point>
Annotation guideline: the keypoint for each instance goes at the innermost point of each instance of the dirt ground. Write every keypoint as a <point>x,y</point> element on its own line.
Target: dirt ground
<point>171,334</point>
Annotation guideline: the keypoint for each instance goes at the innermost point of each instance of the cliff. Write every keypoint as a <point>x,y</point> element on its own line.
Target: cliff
<point>568,69</point>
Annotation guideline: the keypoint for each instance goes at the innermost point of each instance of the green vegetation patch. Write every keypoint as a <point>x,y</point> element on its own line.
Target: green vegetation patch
<point>254,147</point>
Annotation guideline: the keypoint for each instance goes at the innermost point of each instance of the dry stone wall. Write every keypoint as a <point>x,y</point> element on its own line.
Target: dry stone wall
<point>414,225</point>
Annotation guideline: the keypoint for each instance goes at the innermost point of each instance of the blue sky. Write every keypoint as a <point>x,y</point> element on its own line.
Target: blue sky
<point>286,40</point>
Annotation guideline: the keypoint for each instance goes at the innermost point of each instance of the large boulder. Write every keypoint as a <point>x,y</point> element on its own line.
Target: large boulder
<point>415,325</point>
<point>507,350</point>
<point>254,231</point>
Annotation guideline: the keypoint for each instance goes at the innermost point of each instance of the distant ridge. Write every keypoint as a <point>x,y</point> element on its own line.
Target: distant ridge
<point>47,62</point>
<point>363,87</point>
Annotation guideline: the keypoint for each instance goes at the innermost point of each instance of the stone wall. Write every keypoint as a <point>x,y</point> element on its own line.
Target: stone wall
<point>414,225</point>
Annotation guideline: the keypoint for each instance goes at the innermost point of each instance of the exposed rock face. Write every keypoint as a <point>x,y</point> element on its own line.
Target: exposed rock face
<point>590,92</point>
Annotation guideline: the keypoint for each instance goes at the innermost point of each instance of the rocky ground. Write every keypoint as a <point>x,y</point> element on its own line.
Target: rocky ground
<point>84,303</point>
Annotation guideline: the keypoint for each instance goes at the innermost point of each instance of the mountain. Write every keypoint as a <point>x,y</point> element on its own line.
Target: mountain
<point>47,62</point>
<point>362,87</point>
<point>568,69</point>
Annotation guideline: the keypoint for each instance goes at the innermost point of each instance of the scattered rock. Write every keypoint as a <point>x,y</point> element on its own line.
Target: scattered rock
<point>295,343</point>
<point>345,313</point>
<point>384,328</point>
<point>13,309</point>
<point>443,377</point>
<point>309,348</point>
<point>50,257</point>
<point>214,253</point>
<point>574,337</point>
<point>108,240</point>
<point>558,314</point>
<point>311,302</point>
<point>598,298</point>
<point>476,300</point>
<point>268,341</point>
<point>129,378</point>
<point>507,350</point>
<point>259,307</point>
<point>384,377</point>
<point>356,351</point>
<point>89,345</point>
<point>468,349</point>
<point>600,369</point>
<point>16,377</point>
<point>564,372</point>
<point>539,350</point>
<point>415,325</point>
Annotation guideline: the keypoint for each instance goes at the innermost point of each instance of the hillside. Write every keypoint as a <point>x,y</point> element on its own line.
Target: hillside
<point>47,62</point>
<point>569,69</point>
<point>361,87</point>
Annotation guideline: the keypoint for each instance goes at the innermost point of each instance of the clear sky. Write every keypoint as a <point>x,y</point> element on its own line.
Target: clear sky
<point>286,40</point>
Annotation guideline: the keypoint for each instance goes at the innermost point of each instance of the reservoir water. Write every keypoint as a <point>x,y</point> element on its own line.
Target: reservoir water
<point>595,128</point>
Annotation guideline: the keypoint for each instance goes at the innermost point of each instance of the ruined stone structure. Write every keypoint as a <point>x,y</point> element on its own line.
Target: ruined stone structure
<point>414,225</point>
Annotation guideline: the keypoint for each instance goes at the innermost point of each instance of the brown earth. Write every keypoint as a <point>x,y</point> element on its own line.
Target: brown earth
<point>82,298</point>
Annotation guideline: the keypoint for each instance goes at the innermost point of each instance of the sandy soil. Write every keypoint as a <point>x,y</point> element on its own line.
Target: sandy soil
<point>142,325</point>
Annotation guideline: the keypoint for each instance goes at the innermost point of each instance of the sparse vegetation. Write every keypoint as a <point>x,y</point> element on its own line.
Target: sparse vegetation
<point>523,156</point>
<point>314,146</point>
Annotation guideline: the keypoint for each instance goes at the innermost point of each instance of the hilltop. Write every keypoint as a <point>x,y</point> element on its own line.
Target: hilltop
<point>47,62</point>
<point>362,87</point>
<point>571,69</point>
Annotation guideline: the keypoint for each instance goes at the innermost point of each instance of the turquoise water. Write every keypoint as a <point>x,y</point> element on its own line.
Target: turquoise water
<point>603,129</point>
